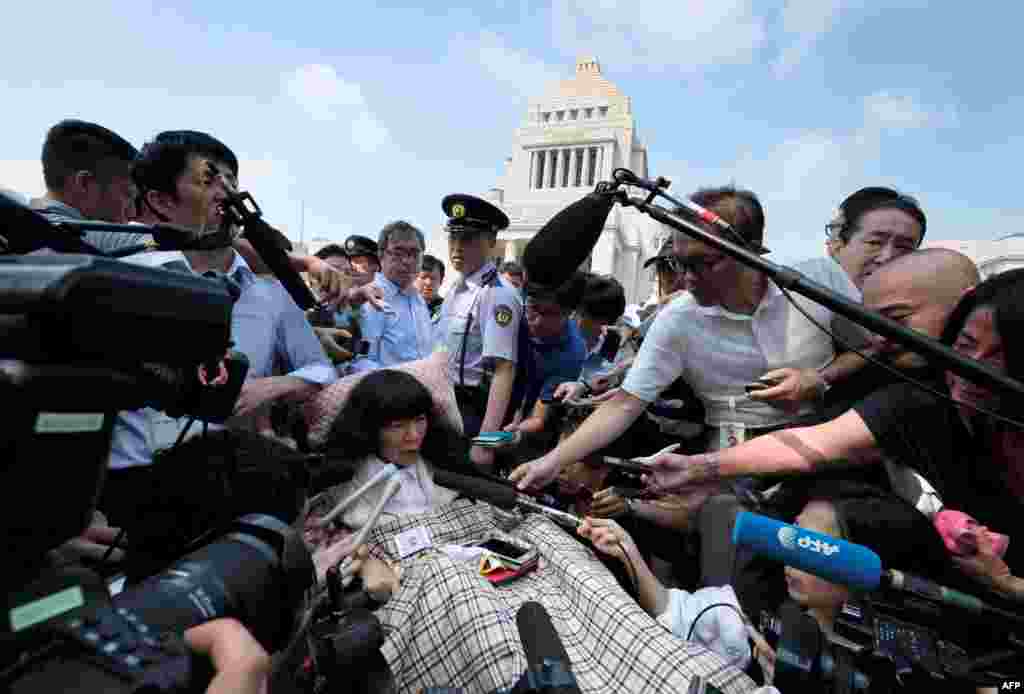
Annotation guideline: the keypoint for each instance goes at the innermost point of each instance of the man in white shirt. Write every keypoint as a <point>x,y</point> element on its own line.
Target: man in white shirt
<point>732,328</point>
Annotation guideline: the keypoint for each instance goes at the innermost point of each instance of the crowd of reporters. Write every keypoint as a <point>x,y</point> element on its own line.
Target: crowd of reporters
<point>766,400</point>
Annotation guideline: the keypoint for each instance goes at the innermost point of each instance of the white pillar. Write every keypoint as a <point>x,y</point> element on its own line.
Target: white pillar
<point>602,259</point>
<point>586,166</point>
<point>555,156</point>
<point>601,176</point>
<point>575,163</point>
<point>532,182</point>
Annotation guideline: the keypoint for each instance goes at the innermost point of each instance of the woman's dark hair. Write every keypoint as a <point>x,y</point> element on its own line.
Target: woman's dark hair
<point>1004,293</point>
<point>603,298</point>
<point>385,396</point>
<point>873,198</point>
<point>329,251</point>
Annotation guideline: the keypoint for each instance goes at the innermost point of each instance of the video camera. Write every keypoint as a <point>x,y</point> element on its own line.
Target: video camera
<point>82,338</point>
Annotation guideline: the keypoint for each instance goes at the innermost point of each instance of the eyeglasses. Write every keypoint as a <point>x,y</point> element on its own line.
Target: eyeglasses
<point>698,266</point>
<point>405,254</point>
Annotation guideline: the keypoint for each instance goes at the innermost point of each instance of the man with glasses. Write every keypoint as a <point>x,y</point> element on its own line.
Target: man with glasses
<point>755,362</point>
<point>403,332</point>
<point>872,227</point>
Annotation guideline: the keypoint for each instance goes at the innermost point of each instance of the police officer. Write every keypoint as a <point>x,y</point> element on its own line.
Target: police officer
<point>363,256</point>
<point>480,320</point>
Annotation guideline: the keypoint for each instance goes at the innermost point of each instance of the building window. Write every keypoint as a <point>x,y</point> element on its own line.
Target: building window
<point>604,111</point>
<point>588,113</point>
<point>546,116</point>
<point>560,115</point>
<point>574,114</point>
<point>564,168</point>
<point>541,156</point>
<point>592,165</point>
<point>579,168</point>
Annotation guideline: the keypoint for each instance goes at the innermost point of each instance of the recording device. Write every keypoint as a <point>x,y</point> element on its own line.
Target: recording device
<point>548,668</point>
<point>82,338</point>
<point>899,620</point>
<point>501,495</point>
<point>64,633</point>
<point>241,210</point>
<point>504,550</point>
<point>761,384</point>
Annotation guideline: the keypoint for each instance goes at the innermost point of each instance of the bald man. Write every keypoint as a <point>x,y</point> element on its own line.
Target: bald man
<point>918,290</point>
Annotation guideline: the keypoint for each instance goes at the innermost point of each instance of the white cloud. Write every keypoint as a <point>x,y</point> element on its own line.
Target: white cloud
<point>514,69</point>
<point>688,35</point>
<point>329,99</point>
<point>893,111</point>
<point>23,176</point>
<point>321,93</point>
<point>806,21</point>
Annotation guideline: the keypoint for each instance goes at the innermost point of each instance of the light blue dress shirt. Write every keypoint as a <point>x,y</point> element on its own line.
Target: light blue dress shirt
<point>266,325</point>
<point>401,335</point>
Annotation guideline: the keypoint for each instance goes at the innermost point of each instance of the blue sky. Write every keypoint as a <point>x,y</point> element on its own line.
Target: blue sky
<point>369,114</point>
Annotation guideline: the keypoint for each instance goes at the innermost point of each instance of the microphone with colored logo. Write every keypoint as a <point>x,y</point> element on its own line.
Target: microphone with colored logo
<point>835,560</point>
<point>846,563</point>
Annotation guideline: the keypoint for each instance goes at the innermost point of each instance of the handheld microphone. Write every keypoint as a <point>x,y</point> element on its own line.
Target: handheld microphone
<point>500,495</point>
<point>563,244</point>
<point>268,242</point>
<point>549,669</point>
<point>847,563</point>
<point>824,556</point>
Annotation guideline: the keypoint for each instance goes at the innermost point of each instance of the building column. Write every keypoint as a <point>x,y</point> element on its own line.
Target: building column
<point>574,155</point>
<point>602,259</point>
<point>532,182</point>
<point>555,157</point>
<point>586,166</point>
<point>601,176</point>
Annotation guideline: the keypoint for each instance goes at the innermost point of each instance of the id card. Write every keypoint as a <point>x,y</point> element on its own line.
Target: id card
<point>731,434</point>
<point>412,541</point>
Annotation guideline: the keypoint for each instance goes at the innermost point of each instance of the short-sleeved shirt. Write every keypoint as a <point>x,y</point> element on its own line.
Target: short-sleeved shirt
<point>106,241</point>
<point>554,361</point>
<point>401,335</point>
<point>718,352</point>
<point>483,315</point>
<point>266,325</point>
<point>921,431</point>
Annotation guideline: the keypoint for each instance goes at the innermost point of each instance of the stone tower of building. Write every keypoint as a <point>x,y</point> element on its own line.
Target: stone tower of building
<point>574,135</point>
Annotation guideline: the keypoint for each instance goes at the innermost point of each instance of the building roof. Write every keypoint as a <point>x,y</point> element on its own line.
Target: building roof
<point>587,82</point>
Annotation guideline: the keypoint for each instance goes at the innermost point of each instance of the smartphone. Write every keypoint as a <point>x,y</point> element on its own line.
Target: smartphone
<point>761,384</point>
<point>504,550</point>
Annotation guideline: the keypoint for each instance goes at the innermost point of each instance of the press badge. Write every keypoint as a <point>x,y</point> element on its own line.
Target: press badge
<point>731,434</point>
<point>412,541</point>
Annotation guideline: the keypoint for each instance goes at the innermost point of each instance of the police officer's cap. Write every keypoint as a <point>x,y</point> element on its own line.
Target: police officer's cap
<point>468,214</point>
<point>356,245</point>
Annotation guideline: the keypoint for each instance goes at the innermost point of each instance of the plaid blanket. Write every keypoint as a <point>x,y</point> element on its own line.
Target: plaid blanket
<point>448,626</point>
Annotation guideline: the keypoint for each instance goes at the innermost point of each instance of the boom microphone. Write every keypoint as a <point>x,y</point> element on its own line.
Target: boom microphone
<point>563,244</point>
